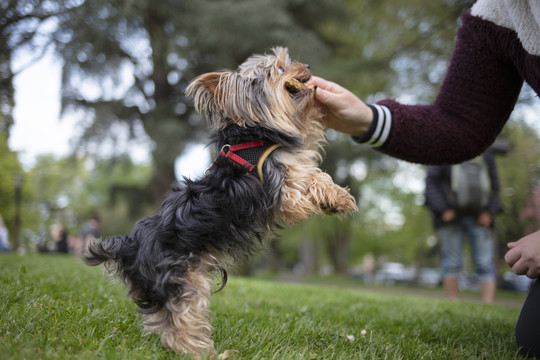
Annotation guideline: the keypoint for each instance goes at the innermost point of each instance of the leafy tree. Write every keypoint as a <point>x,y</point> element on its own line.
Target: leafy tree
<point>69,189</point>
<point>128,62</point>
<point>386,45</point>
<point>519,171</point>
<point>10,167</point>
<point>392,220</point>
<point>382,48</point>
<point>21,25</point>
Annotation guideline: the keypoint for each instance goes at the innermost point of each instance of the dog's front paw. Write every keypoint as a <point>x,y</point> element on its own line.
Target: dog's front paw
<point>342,203</point>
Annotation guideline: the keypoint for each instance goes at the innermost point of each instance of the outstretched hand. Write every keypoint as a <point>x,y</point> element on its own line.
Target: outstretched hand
<point>524,255</point>
<point>345,112</point>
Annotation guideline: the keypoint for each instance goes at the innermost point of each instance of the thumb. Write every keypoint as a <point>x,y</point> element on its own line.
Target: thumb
<point>322,95</point>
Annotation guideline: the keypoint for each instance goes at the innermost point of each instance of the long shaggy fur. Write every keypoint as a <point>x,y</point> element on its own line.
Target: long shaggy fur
<point>170,260</point>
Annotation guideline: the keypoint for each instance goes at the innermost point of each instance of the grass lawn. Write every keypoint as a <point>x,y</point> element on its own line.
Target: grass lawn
<point>54,307</point>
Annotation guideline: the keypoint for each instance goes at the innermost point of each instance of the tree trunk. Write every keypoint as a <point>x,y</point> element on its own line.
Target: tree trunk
<point>338,247</point>
<point>309,256</point>
<point>161,124</point>
<point>161,180</point>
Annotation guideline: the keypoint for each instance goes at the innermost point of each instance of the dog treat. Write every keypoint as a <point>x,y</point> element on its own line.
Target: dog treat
<point>296,85</point>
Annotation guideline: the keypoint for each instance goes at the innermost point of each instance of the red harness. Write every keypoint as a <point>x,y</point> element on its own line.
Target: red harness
<point>263,150</point>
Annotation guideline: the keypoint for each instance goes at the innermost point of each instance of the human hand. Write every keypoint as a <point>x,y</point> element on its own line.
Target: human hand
<point>484,219</point>
<point>448,215</point>
<point>345,112</point>
<point>524,255</point>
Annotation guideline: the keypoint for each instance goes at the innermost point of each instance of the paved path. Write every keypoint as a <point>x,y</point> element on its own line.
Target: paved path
<point>513,299</point>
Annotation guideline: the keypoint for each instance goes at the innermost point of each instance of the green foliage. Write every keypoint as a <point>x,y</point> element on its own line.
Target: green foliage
<point>385,46</point>
<point>54,307</point>
<point>9,168</point>
<point>136,58</point>
<point>519,170</point>
<point>21,28</point>
<point>68,190</point>
<point>393,221</point>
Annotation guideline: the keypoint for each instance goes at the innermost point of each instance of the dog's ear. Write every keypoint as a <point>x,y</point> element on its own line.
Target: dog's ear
<point>203,90</point>
<point>210,81</point>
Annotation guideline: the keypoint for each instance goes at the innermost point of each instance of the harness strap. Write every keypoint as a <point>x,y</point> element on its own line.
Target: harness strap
<point>263,157</point>
<point>257,148</point>
<point>231,152</point>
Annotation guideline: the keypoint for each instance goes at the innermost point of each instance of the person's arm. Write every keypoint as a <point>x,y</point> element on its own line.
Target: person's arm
<point>436,198</point>
<point>494,205</point>
<point>475,100</point>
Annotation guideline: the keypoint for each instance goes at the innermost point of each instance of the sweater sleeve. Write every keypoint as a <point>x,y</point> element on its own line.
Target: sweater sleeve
<point>476,98</point>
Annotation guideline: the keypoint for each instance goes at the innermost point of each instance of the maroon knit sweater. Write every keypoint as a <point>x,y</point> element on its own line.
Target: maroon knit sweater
<point>484,78</point>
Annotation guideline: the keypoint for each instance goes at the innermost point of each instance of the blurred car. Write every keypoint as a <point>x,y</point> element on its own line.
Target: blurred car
<point>393,273</point>
<point>429,277</point>
<point>512,281</point>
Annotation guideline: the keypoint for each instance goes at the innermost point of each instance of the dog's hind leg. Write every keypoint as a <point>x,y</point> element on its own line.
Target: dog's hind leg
<point>184,322</point>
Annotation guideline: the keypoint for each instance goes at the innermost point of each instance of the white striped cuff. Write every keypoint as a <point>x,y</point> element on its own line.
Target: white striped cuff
<point>379,132</point>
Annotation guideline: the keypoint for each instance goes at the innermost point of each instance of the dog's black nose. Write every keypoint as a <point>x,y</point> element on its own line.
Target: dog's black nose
<point>307,66</point>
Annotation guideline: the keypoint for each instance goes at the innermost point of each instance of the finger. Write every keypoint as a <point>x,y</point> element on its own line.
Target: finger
<point>520,267</point>
<point>321,95</point>
<point>511,257</point>
<point>325,97</point>
<point>532,274</point>
<point>326,85</point>
<point>320,82</point>
<point>512,244</point>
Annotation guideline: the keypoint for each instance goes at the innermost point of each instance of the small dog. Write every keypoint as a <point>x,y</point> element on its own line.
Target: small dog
<point>268,132</point>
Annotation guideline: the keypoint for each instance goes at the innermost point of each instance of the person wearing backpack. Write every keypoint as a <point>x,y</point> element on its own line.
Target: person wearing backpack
<point>463,200</point>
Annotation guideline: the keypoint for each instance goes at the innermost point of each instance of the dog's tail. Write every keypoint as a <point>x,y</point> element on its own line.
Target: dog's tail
<point>107,252</point>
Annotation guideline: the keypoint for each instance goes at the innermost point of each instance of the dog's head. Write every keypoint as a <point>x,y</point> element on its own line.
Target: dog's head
<point>267,91</point>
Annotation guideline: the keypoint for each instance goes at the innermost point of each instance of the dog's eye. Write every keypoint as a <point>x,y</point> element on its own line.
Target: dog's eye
<point>281,70</point>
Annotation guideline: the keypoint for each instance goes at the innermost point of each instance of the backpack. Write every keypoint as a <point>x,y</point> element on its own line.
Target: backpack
<point>471,185</point>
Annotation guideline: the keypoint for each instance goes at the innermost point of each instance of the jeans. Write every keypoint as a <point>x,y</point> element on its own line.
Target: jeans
<point>452,236</point>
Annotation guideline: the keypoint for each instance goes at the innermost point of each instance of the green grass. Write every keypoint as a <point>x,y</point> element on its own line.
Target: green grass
<point>54,307</point>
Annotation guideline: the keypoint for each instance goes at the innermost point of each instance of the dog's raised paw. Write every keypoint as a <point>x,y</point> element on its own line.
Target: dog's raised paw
<point>342,205</point>
<point>329,210</point>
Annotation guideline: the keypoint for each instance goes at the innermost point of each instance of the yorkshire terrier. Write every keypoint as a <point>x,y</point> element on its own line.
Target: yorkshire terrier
<point>267,130</point>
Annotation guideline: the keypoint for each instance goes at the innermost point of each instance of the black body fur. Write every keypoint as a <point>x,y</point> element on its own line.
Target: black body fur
<point>227,211</point>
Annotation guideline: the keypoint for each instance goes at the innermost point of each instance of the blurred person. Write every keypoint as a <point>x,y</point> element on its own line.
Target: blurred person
<point>368,267</point>
<point>497,49</point>
<point>463,200</point>
<point>4,236</point>
<point>60,237</point>
<point>75,244</point>
<point>90,230</point>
